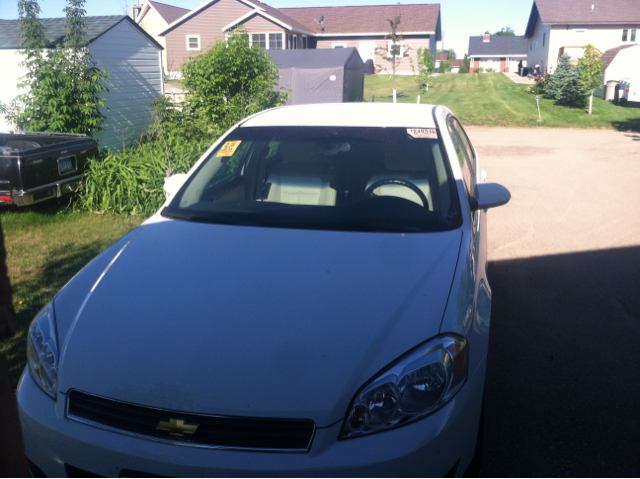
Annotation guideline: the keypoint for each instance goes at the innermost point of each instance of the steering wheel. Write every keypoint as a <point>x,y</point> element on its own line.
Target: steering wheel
<point>368,193</point>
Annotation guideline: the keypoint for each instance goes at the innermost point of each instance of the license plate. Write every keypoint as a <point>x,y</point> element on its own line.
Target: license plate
<point>66,165</point>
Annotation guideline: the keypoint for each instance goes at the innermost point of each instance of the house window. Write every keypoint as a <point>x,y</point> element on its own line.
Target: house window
<point>259,39</point>
<point>304,43</point>
<point>625,34</point>
<point>275,41</point>
<point>395,49</point>
<point>338,45</point>
<point>544,38</point>
<point>633,35</point>
<point>289,42</point>
<point>193,42</point>
<point>629,35</point>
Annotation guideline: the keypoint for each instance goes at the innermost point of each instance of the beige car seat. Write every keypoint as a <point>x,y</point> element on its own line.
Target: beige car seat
<point>301,178</point>
<point>404,161</point>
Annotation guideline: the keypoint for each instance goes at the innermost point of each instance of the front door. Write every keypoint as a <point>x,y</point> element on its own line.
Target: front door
<point>367,51</point>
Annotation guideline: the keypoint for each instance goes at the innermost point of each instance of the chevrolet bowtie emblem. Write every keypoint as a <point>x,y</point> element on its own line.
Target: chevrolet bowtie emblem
<point>177,427</point>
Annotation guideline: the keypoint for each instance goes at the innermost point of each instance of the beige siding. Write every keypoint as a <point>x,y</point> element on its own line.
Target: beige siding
<point>153,24</point>
<point>133,63</point>
<point>260,24</point>
<point>207,23</point>
<point>403,67</point>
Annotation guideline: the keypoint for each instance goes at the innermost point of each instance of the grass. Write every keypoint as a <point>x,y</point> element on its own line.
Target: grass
<point>175,83</point>
<point>46,246</point>
<point>492,99</point>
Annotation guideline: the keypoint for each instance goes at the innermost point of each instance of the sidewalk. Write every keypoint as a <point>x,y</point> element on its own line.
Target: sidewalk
<point>518,79</point>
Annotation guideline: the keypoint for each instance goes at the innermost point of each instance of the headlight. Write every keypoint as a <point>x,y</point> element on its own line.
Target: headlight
<point>413,387</point>
<point>42,351</point>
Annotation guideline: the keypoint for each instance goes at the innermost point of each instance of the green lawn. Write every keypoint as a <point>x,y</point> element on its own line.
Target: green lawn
<point>46,247</point>
<point>492,99</point>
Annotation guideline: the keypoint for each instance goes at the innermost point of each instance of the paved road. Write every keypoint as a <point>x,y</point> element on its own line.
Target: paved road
<point>563,383</point>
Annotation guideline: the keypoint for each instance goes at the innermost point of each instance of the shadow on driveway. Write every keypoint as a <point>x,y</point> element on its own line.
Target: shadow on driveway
<point>563,376</point>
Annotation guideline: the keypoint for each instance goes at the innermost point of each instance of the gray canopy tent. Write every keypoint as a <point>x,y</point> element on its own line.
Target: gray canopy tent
<point>333,75</point>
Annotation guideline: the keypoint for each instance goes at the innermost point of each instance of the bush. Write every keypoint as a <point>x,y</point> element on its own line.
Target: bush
<point>131,181</point>
<point>563,85</point>
<point>479,70</point>
<point>490,70</point>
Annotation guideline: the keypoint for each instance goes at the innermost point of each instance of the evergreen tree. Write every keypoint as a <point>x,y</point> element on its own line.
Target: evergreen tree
<point>562,85</point>
<point>466,65</point>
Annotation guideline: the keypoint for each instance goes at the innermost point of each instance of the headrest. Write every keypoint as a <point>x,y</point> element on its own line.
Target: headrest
<point>406,156</point>
<point>299,152</point>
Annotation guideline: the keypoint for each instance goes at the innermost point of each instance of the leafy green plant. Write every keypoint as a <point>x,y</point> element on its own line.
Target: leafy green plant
<point>64,86</point>
<point>445,66</point>
<point>489,70</point>
<point>505,32</point>
<point>426,66</point>
<point>478,70</point>
<point>230,81</point>
<point>591,70</point>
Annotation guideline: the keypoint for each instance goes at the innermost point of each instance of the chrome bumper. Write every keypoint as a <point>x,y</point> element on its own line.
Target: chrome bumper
<point>46,192</point>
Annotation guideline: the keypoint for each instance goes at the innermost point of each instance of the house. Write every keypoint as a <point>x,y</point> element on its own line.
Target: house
<point>455,65</point>
<point>559,26</point>
<point>320,75</point>
<point>362,27</point>
<point>132,58</point>
<point>502,53</point>
<point>155,17</point>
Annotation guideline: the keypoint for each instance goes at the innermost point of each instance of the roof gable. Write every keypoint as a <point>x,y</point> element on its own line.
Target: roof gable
<point>55,30</point>
<point>169,13</point>
<point>583,12</point>
<point>609,55</point>
<point>262,9</point>
<point>418,18</point>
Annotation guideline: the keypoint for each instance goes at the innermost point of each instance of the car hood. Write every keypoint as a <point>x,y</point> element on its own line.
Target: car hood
<point>257,322</point>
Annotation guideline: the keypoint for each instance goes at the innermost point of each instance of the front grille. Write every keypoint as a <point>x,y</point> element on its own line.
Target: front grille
<point>293,435</point>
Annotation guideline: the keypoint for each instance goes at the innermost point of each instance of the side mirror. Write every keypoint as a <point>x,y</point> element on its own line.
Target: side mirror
<point>489,195</point>
<point>173,184</point>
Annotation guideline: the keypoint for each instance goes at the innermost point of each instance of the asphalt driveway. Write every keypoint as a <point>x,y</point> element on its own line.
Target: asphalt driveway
<point>563,382</point>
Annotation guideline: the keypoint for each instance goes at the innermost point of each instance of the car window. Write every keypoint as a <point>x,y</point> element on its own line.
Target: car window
<point>466,156</point>
<point>355,179</point>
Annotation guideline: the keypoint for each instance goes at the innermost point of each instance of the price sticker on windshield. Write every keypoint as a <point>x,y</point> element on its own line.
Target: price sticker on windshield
<point>430,133</point>
<point>229,148</point>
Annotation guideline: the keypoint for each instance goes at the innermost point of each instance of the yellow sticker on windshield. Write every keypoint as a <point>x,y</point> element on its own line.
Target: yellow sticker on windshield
<point>229,148</point>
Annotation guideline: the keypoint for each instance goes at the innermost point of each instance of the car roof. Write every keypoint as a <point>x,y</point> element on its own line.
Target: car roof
<point>389,115</point>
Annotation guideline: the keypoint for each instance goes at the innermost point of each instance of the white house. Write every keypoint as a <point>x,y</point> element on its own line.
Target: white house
<point>567,26</point>
<point>132,58</point>
<point>502,53</point>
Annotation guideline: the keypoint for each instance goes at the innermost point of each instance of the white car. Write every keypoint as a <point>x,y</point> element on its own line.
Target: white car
<point>312,300</point>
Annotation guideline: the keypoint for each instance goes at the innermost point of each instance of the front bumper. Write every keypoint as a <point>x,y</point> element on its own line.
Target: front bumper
<point>440,444</point>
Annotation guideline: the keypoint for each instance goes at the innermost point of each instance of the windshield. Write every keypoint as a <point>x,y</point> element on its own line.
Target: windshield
<point>347,179</point>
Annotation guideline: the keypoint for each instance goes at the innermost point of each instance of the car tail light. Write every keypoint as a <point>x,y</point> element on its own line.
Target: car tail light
<point>5,198</point>
<point>627,90</point>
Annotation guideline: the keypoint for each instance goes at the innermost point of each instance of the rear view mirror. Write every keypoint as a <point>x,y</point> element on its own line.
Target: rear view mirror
<point>173,184</point>
<point>489,195</point>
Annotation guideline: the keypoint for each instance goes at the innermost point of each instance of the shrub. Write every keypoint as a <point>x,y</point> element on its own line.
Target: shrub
<point>490,70</point>
<point>479,70</point>
<point>466,65</point>
<point>230,81</point>
<point>563,85</point>
<point>445,66</point>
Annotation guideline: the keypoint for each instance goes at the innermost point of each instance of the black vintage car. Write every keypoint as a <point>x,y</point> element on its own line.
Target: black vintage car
<point>38,166</point>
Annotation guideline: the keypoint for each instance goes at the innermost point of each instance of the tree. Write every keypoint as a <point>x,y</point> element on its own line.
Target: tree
<point>426,66</point>
<point>396,51</point>
<point>466,65</point>
<point>591,69</point>
<point>231,81</point>
<point>563,85</point>
<point>65,89</point>
<point>505,32</point>
<point>450,51</point>
<point>445,66</point>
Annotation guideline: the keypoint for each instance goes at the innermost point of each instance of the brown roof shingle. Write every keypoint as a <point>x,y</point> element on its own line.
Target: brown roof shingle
<point>579,12</point>
<point>169,13</point>
<point>283,17</point>
<point>367,19</point>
